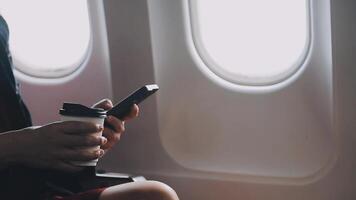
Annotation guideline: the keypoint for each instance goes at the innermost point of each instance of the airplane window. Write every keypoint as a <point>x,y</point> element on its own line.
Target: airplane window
<point>47,38</point>
<point>251,42</point>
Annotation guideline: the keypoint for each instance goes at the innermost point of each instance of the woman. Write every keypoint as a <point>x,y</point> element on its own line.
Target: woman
<point>33,158</point>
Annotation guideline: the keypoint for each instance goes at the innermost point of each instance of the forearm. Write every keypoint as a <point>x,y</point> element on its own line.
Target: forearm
<point>11,146</point>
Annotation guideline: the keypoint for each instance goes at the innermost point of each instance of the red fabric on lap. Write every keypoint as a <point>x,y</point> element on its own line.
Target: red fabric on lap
<point>87,195</point>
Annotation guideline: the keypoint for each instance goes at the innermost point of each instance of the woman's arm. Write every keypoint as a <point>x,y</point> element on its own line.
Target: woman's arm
<point>8,144</point>
<point>55,145</point>
<point>52,146</point>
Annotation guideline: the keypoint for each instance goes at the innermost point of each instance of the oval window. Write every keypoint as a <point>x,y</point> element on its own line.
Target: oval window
<point>47,38</point>
<point>251,42</point>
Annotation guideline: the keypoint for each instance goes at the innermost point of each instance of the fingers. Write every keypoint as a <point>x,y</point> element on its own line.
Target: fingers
<point>116,124</point>
<point>75,127</point>
<point>134,112</point>
<point>105,104</point>
<point>80,154</point>
<point>112,137</point>
<point>116,128</point>
<point>83,140</point>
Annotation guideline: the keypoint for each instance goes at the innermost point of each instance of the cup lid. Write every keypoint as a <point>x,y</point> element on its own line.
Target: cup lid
<point>73,109</point>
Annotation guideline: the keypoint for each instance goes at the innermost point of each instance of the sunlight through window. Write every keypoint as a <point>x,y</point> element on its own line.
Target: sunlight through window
<point>254,42</point>
<point>47,38</point>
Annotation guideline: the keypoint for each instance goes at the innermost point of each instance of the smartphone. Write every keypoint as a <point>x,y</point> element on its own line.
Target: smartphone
<point>123,108</point>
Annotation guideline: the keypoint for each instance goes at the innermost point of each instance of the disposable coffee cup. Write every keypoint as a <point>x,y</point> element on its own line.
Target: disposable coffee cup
<point>77,112</point>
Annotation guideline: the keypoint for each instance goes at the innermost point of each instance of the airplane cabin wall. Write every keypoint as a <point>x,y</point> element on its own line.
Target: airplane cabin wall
<point>142,150</point>
<point>135,44</point>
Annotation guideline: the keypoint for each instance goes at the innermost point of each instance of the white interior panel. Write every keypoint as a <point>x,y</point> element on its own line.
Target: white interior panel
<point>209,124</point>
<point>323,92</point>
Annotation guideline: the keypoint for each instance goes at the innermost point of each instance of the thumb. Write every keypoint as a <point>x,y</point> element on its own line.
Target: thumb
<point>105,104</point>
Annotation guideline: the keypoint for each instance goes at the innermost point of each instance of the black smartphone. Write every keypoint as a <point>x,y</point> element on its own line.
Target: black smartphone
<point>123,108</point>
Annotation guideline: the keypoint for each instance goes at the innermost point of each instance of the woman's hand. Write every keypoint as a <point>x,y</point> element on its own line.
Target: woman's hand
<point>55,145</point>
<point>117,127</point>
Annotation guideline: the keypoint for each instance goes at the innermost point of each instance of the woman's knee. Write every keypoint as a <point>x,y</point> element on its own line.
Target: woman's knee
<point>147,190</point>
<point>158,190</point>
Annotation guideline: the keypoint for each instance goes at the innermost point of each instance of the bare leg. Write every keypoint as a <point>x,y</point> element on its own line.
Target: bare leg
<point>143,190</point>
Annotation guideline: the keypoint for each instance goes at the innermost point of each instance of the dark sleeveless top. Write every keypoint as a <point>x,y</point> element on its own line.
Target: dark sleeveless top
<point>13,112</point>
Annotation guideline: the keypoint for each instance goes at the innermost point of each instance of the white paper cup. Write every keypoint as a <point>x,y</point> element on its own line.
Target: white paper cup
<point>77,112</point>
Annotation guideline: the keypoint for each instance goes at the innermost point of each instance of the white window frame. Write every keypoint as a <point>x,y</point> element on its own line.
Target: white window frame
<point>240,80</point>
<point>27,72</point>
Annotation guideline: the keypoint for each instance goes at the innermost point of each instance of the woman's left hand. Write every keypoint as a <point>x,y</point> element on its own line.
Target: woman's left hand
<point>116,126</point>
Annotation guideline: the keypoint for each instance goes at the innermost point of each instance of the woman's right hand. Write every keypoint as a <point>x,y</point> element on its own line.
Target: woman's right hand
<point>55,145</point>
